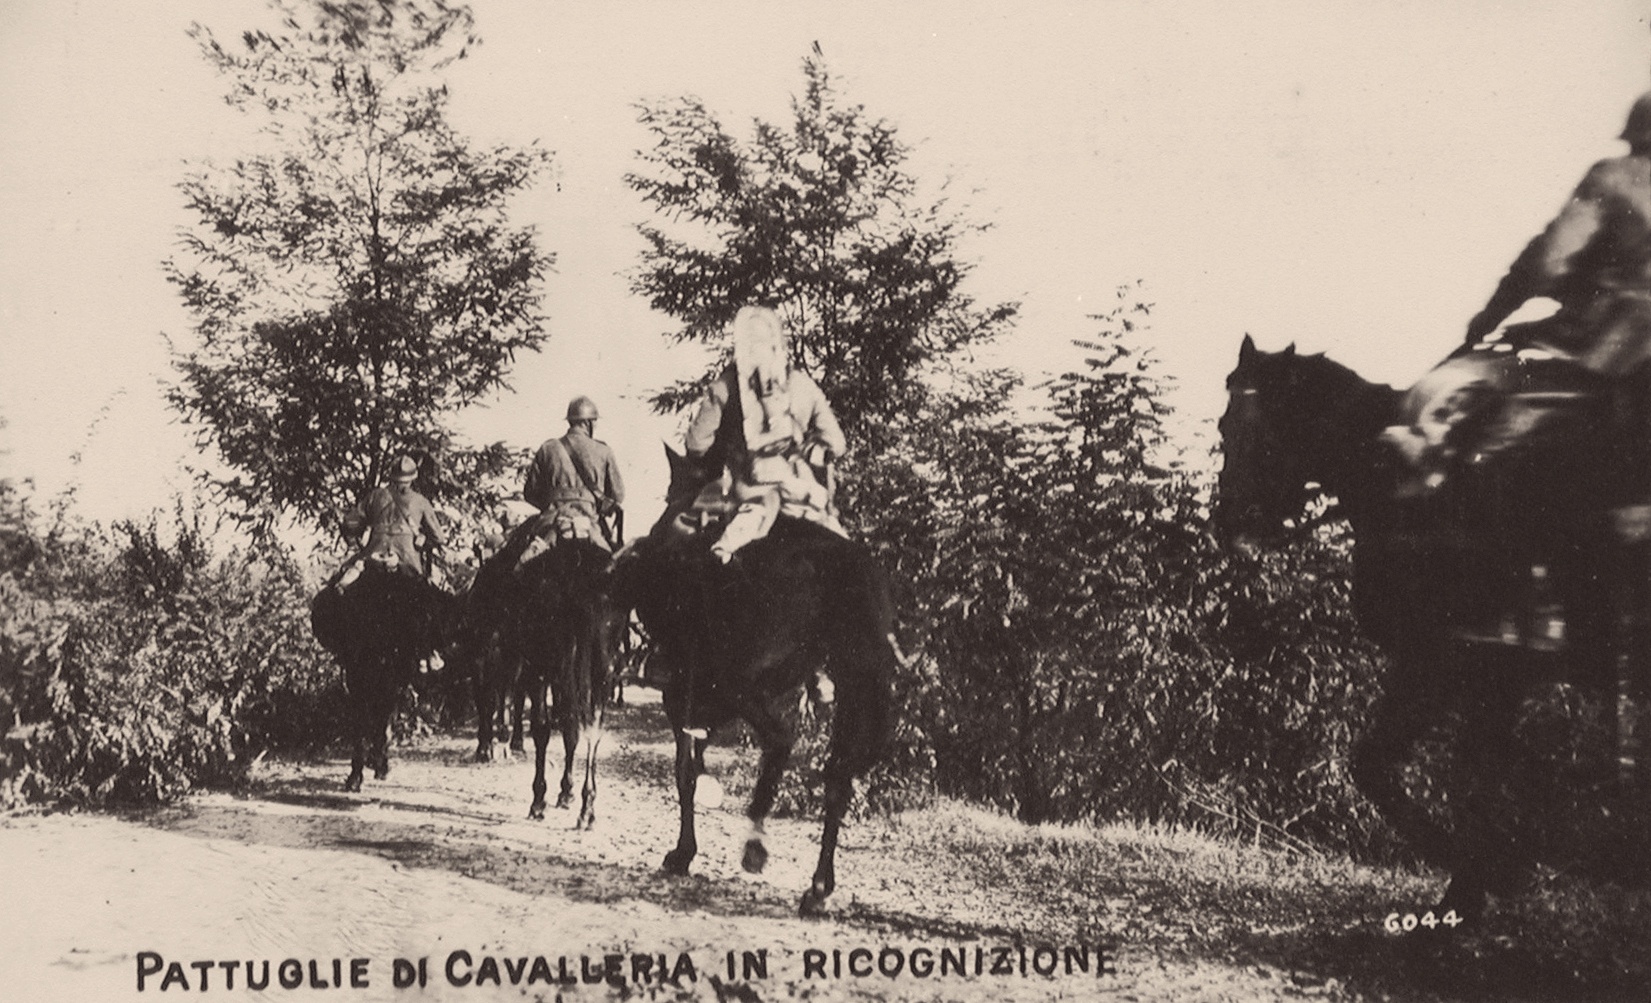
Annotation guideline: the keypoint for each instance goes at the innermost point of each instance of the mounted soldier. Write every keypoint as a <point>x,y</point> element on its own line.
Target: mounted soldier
<point>574,483</point>
<point>401,526</point>
<point>403,536</point>
<point>769,430</point>
<point>1594,259</point>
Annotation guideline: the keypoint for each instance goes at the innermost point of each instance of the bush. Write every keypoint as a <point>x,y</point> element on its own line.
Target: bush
<point>135,666</point>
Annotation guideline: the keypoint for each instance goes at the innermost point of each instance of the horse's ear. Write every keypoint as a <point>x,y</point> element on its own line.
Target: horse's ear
<point>1290,350</point>
<point>1246,350</point>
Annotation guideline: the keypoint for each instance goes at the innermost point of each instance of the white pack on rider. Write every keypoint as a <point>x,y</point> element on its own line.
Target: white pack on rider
<point>786,438</point>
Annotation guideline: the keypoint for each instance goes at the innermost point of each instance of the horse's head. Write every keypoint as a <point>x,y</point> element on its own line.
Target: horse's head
<point>1263,490</point>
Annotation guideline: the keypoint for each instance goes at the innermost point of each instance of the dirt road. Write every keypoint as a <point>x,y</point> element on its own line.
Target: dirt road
<point>433,884</point>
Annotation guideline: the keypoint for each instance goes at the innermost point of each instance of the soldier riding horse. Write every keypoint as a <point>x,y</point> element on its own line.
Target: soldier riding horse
<point>1486,560</point>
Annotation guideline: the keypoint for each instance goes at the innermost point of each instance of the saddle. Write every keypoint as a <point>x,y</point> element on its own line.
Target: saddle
<point>1501,415</point>
<point>1507,469</point>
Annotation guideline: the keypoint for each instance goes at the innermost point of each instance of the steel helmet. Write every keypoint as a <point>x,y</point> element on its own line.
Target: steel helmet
<point>404,469</point>
<point>582,409</point>
<point>1638,129</point>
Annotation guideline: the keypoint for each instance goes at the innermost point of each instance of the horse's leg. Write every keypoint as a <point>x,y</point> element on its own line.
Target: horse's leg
<point>355,707</point>
<point>775,740</point>
<point>859,733</point>
<point>540,728</point>
<point>599,667</point>
<point>487,704</point>
<point>513,689</point>
<point>587,809</point>
<point>1487,858</point>
<point>383,717</point>
<point>570,713</point>
<point>690,752</point>
<point>1414,695</point>
<point>839,789</point>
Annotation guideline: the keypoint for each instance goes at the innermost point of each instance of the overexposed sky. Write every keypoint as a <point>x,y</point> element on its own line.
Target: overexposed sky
<point>1350,176</point>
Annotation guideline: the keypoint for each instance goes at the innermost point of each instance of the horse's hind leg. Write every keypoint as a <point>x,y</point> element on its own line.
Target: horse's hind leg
<point>355,706</point>
<point>1414,696</point>
<point>540,728</point>
<point>690,753</point>
<point>775,740</point>
<point>487,709</point>
<point>570,714</point>
<point>1488,856</point>
<point>587,807</point>
<point>570,754</point>
<point>518,700</point>
<point>839,789</point>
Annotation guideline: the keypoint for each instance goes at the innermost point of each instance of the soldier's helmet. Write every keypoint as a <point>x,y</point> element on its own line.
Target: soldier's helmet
<point>404,469</point>
<point>582,409</point>
<point>1638,129</point>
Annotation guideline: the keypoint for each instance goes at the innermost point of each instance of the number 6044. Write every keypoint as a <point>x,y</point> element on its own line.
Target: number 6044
<point>1406,922</point>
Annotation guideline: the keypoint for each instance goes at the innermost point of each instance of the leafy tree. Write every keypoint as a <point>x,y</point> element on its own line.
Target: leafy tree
<point>355,281</point>
<point>820,220</point>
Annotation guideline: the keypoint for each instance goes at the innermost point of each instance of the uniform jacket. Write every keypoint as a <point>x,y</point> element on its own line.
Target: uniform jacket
<point>1596,250</point>
<point>396,520</point>
<point>554,477</point>
<point>810,413</point>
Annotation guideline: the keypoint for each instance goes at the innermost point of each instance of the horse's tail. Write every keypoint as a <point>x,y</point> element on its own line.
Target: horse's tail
<point>590,613</point>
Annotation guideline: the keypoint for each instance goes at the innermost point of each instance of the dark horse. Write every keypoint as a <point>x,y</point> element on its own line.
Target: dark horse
<point>550,629</point>
<point>1433,568</point>
<point>378,629</point>
<point>736,638</point>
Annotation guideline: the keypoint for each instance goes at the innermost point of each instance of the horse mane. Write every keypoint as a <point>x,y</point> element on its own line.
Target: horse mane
<point>1324,396</point>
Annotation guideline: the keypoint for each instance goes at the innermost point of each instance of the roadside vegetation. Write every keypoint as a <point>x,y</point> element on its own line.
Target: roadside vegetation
<point>1080,653</point>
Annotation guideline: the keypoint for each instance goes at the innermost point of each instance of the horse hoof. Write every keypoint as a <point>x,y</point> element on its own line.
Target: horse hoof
<point>537,812</point>
<point>353,784</point>
<point>380,774</point>
<point>676,863</point>
<point>813,903</point>
<point>755,857</point>
<point>484,755</point>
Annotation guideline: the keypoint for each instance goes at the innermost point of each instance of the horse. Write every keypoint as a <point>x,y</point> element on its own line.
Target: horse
<point>735,638</point>
<point>378,629</point>
<point>544,628</point>
<point>571,641</point>
<point>1432,569</point>
<point>491,648</point>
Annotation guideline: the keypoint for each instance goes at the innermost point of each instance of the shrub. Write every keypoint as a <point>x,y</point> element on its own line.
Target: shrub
<point>134,665</point>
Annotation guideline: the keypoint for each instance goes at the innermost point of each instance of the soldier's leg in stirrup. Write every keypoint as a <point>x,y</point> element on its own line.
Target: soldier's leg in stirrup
<point>751,521</point>
<point>544,531</point>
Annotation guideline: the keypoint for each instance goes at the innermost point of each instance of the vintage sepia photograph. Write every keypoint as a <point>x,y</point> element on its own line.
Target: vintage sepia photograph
<point>707,500</point>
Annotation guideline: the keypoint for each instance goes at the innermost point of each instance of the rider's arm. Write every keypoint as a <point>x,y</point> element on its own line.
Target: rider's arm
<point>702,432</point>
<point>821,424</point>
<point>536,485</point>
<point>1553,256</point>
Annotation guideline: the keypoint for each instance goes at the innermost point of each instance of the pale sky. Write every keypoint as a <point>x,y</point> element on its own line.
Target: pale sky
<point>1350,176</point>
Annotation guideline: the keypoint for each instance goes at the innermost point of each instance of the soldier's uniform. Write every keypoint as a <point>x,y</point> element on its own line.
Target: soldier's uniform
<point>574,482</point>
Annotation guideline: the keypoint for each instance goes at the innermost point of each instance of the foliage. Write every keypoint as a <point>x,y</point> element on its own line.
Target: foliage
<point>1090,653</point>
<point>135,665</point>
<point>358,280</point>
<point>821,220</point>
